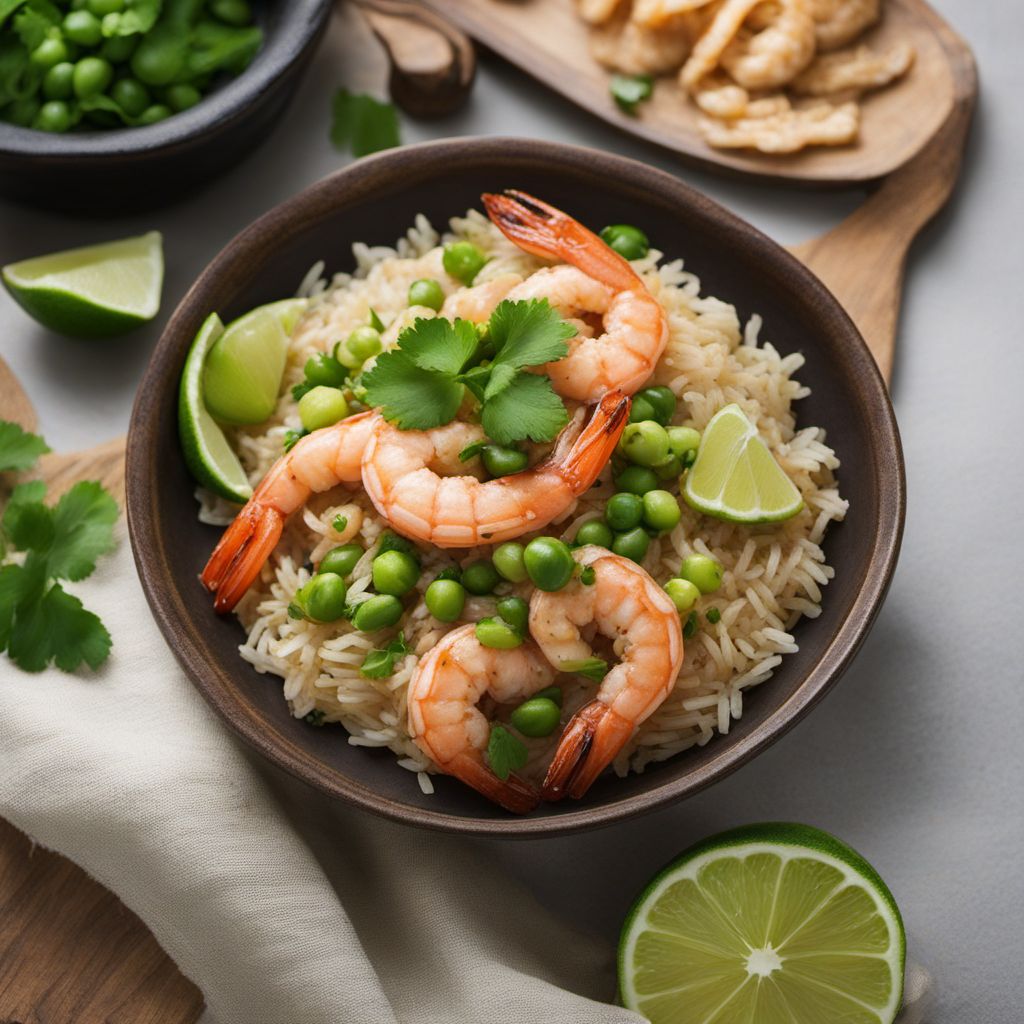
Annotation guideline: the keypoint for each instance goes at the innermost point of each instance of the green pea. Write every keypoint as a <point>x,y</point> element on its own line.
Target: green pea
<point>669,469</point>
<point>661,510</point>
<point>118,49</point>
<point>637,480</point>
<point>395,572</point>
<point>641,410</point>
<point>629,242</point>
<point>322,407</point>
<point>156,112</point>
<point>683,439</point>
<point>54,116</point>
<point>445,600</point>
<point>683,593</point>
<point>49,52</point>
<point>549,563</point>
<point>703,572</point>
<point>232,12</point>
<point>515,611</point>
<point>508,560</point>
<point>103,7</point>
<point>22,112</point>
<point>426,292</point>
<point>595,531</point>
<point>463,260</point>
<point>714,616</point>
<point>182,96</point>
<point>480,578</point>
<point>624,511</point>
<point>57,81</point>
<point>362,344</point>
<point>662,400</point>
<point>501,461</point>
<point>91,77</point>
<point>644,444</point>
<point>82,27</point>
<point>159,59</point>
<point>493,632</point>
<point>552,693</point>
<point>323,597</point>
<point>324,369</point>
<point>536,717</point>
<point>131,96</point>
<point>379,612</point>
<point>342,559</point>
<point>632,544</point>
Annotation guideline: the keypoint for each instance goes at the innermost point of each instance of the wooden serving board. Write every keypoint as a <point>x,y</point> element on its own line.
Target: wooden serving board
<point>548,40</point>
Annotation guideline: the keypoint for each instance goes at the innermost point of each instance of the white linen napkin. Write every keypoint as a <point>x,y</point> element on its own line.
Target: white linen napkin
<point>282,906</point>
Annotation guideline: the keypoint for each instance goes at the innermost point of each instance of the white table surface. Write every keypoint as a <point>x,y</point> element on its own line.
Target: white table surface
<point>917,758</point>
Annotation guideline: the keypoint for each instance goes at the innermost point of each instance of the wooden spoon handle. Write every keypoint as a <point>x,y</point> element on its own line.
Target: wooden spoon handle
<point>433,63</point>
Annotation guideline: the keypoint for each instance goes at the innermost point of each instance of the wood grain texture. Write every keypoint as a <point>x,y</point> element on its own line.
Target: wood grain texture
<point>548,40</point>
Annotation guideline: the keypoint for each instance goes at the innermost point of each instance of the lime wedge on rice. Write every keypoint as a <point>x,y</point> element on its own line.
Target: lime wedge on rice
<point>95,292</point>
<point>208,455</point>
<point>768,924</point>
<point>245,364</point>
<point>735,477</point>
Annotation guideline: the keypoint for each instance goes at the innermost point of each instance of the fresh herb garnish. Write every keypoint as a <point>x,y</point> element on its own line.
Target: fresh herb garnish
<point>292,438</point>
<point>588,575</point>
<point>391,541</point>
<point>630,90</point>
<point>690,626</point>
<point>421,384</point>
<point>452,572</point>
<point>505,753</point>
<point>375,321</point>
<point>471,451</point>
<point>381,663</point>
<point>339,523</point>
<point>592,668</point>
<point>41,622</point>
<point>363,124</point>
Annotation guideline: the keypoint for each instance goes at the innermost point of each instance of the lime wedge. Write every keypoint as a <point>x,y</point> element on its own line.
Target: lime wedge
<point>207,453</point>
<point>735,476</point>
<point>768,924</point>
<point>245,364</point>
<point>94,292</point>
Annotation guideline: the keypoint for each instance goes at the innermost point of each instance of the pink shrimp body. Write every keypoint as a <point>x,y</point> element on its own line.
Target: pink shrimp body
<point>319,461</point>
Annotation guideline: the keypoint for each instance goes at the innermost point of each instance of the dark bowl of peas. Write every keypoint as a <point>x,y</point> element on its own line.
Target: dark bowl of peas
<point>120,105</point>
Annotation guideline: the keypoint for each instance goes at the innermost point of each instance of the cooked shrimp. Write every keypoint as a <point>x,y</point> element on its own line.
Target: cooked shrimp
<point>628,607</point>
<point>479,302</point>
<point>445,722</point>
<point>320,461</point>
<point>400,476</point>
<point>836,22</point>
<point>598,282</point>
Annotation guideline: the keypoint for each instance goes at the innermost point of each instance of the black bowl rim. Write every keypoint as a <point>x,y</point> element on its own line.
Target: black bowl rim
<point>291,218</point>
<point>302,22</point>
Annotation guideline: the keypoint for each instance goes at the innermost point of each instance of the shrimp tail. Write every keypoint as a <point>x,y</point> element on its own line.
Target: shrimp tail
<point>514,794</point>
<point>588,745</point>
<point>581,465</point>
<point>236,561</point>
<point>542,230</point>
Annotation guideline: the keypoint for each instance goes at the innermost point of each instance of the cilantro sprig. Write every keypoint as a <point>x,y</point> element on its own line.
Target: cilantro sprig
<point>380,664</point>
<point>363,124</point>
<point>40,622</point>
<point>423,382</point>
<point>505,753</point>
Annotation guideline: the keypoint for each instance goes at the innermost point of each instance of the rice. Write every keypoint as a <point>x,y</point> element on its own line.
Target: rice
<point>772,575</point>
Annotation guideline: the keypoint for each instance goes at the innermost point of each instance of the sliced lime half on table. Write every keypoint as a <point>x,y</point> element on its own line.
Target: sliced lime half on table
<point>735,476</point>
<point>768,924</point>
<point>208,455</point>
<point>94,292</point>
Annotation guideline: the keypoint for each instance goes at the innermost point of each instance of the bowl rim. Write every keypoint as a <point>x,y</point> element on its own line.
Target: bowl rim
<point>290,218</point>
<point>302,21</point>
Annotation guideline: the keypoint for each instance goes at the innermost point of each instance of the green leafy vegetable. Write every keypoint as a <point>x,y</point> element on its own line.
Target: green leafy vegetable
<point>630,90</point>
<point>527,408</point>
<point>8,7</point>
<point>505,753</point>
<point>18,448</point>
<point>292,438</point>
<point>363,124</point>
<point>414,398</point>
<point>375,321</point>
<point>381,663</point>
<point>592,668</point>
<point>391,541</point>
<point>528,333</point>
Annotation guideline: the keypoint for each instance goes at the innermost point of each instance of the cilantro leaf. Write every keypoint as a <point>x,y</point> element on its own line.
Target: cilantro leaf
<point>505,753</point>
<point>12,587</point>
<point>593,668</point>
<point>84,523</point>
<point>630,90</point>
<point>381,663</point>
<point>439,344</point>
<point>19,449</point>
<point>56,627</point>
<point>391,541</point>
<point>362,123</point>
<point>27,522</point>
<point>528,333</point>
<point>409,396</point>
<point>499,378</point>
<point>471,451</point>
<point>526,408</point>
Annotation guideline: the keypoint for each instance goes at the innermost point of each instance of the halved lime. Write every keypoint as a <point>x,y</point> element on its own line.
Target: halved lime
<point>244,366</point>
<point>94,292</point>
<point>735,477</point>
<point>207,453</point>
<point>768,924</point>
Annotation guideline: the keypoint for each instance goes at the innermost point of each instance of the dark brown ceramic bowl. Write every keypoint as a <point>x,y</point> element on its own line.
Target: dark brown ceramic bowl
<point>374,201</point>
